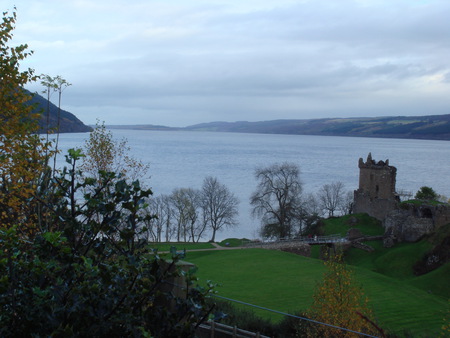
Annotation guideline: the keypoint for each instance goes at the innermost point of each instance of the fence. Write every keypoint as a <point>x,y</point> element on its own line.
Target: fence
<point>212,329</point>
<point>308,240</point>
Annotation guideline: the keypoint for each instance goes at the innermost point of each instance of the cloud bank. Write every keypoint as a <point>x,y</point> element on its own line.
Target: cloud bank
<point>178,63</point>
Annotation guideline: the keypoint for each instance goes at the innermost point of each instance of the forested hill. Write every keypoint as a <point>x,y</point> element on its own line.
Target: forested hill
<point>433,127</point>
<point>69,123</point>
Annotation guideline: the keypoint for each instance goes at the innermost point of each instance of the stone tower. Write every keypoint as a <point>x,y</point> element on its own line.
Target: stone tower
<point>376,193</point>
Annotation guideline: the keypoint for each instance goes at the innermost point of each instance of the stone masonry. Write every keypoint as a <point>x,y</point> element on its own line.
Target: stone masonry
<point>376,194</point>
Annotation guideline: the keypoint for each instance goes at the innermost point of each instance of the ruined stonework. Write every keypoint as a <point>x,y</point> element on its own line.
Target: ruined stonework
<point>412,222</point>
<point>376,194</point>
<point>402,226</point>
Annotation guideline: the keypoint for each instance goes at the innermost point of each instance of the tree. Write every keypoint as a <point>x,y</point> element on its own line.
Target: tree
<point>23,155</point>
<point>93,276</point>
<point>155,227</point>
<point>331,197</point>
<point>104,153</point>
<point>186,209</point>
<point>339,302</point>
<point>220,206</point>
<point>347,203</point>
<point>426,194</point>
<point>84,271</point>
<point>49,84</point>
<point>277,200</point>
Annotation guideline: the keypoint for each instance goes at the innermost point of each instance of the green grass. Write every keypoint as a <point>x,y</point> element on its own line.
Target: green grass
<point>285,282</point>
<point>395,262</point>
<point>340,225</point>
<point>181,246</point>
<point>435,282</point>
<point>255,276</point>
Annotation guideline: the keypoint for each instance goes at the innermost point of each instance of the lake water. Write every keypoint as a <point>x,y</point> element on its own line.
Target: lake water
<point>180,159</point>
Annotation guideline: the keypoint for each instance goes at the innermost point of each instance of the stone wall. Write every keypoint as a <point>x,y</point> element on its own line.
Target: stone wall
<point>297,247</point>
<point>412,222</point>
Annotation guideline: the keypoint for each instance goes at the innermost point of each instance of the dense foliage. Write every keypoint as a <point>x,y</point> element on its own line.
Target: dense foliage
<point>73,261</point>
<point>22,154</point>
<point>426,194</point>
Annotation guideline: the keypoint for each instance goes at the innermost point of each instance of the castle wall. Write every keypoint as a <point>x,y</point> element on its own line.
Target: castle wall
<point>376,196</point>
<point>378,208</point>
<point>376,193</point>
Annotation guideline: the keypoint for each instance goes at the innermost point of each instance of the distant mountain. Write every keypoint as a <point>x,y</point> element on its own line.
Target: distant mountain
<point>432,127</point>
<point>69,123</point>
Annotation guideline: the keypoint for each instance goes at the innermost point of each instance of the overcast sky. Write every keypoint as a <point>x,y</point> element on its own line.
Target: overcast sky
<point>178,63</point>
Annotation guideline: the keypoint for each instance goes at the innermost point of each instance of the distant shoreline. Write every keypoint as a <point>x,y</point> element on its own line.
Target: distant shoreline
<point>433,127</point>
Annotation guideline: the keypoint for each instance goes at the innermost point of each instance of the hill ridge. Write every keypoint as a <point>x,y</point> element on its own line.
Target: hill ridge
<point>430,127</point>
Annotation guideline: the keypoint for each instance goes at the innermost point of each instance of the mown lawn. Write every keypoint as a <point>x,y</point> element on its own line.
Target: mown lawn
<point>181,246</point>
<point>285,282</point>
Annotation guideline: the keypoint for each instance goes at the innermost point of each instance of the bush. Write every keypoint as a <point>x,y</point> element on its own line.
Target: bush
<point>426,194</point>
<point>87,272</point>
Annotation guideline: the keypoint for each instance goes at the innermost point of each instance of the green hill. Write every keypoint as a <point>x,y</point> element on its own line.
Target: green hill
<point>403,302</point>
<point>285,282</point>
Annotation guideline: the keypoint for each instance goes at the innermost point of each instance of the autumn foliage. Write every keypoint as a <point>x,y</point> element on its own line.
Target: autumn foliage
<point>23,155</point>
<point>340,302</point>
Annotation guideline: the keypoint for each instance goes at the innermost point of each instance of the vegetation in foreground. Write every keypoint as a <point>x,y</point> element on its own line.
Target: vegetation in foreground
<point>72,258</point>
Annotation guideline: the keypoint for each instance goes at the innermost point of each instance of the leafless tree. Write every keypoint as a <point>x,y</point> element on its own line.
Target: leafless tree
<point>331,197</point>
<point>347,203</point>
<point>161,207</point>
<point>277,200</point>
<point>185,207</point>
<point>219,205</point>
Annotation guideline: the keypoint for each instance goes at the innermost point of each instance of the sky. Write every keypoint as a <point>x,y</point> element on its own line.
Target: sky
<point>179,63</point>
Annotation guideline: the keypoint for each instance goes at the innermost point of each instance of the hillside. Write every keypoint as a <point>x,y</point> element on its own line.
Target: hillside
<point>69,123</point>
<point>435,127</point>
<point>432,127</point>
<point>406,303</point>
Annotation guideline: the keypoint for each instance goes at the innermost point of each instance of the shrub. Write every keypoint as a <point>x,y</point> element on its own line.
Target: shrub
<point>86,272</point>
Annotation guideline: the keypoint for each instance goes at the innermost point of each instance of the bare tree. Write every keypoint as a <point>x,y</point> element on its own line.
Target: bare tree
<point>59,84</point>
<point>186,209</point>
<point>220,206</point>
<point>277,200</point>
<point>161,207</point>
<point>312,205</point>
<point>331,197</point>
<point>347,203</point>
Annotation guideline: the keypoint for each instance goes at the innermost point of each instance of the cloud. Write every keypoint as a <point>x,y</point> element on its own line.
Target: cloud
<point>177,62</point>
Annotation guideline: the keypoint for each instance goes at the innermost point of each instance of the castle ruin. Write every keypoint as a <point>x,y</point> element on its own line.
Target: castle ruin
<point>377,197</point>
<point>376,194</point>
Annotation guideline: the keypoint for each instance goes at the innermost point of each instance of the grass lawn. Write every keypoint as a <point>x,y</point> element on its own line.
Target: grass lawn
<point>285,282</point>
<point>233,242</point>
<point>340,225</point>
<point>181,246</point>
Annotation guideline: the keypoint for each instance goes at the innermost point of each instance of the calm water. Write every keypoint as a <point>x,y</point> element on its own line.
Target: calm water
<point>184,159</point>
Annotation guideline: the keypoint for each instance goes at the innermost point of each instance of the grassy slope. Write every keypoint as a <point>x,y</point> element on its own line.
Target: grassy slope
<point>255,276</point>
<point>401,300</point>
<point>285,282</point>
